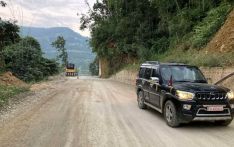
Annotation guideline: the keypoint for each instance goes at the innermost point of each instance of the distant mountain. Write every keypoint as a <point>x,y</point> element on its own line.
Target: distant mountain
<point>79,51</point>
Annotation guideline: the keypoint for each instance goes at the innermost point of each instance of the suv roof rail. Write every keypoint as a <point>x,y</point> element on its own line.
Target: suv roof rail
<point>176,63</point>
<point>152,62</point>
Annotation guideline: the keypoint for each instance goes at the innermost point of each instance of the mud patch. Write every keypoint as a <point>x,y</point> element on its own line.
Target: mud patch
<point>223,41</point>
<point>8,79</point>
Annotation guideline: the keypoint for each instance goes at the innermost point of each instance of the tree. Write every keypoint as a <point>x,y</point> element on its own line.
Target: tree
<point>120,29</point>
<point>22,56</point>
<point>59,44</point>
<point>3,4</point>
<point>117,27</point>
<point>9,33</point>
<point>128,30</point>
<point>94,67</point>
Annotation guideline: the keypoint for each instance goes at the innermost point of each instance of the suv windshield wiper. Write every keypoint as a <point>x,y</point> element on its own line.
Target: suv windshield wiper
<point>185,81</point>
<point>200,81</point>
<point>192,81</point>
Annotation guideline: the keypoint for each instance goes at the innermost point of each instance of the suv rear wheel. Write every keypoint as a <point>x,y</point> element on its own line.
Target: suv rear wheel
<point>170,114</point>
<point>141,100</point>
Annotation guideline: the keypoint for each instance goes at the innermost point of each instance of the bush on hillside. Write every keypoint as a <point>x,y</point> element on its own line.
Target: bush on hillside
<point>209,25</point>
<point>198,58</point>
<point>24,59</point>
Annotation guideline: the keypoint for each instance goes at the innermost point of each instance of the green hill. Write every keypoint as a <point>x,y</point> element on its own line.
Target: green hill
<point>78,47</point>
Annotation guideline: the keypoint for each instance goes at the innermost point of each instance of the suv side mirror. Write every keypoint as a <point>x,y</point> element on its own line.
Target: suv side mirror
<point>155,79</point>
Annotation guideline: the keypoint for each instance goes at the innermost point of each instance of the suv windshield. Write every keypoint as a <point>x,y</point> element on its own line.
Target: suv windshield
<point>182,74</point>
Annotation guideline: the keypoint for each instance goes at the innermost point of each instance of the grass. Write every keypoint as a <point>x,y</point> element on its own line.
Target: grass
<point>7,92</point>
<point>191,57</point>
<point>132,67</point>
<point>200,58</point>
<point>210,25</point>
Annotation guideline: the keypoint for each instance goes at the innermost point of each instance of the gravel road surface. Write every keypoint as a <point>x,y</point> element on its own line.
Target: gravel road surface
<point>90,112</point>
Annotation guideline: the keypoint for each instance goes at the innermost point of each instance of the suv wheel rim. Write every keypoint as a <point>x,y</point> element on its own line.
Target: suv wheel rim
<point>169,113</point>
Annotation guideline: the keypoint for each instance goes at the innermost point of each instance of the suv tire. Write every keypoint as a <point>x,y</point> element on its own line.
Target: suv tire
<point>170,114</point>
<point>141,100</point>
<point>223,122</point>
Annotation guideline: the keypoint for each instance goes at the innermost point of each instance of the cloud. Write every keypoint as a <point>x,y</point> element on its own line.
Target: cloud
<point>49,13</point>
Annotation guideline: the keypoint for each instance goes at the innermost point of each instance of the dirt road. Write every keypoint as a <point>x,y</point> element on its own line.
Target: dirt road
<point>100,113</point>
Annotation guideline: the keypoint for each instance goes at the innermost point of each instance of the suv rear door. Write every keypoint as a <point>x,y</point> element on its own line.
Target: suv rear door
<point>155,89</point>
<point>146,83</point>
<point>140,77</point>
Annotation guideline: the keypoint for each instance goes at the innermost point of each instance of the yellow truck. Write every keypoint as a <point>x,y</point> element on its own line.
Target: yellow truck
<point>71,71</point>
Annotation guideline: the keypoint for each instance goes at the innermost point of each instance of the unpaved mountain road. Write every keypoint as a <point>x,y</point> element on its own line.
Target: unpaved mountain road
<point>101,113</point>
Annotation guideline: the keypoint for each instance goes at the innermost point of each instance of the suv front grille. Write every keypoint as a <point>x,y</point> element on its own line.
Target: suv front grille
<point>211,96</point>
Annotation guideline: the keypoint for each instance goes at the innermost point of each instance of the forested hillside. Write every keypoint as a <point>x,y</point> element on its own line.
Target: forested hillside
<point>130,31</point>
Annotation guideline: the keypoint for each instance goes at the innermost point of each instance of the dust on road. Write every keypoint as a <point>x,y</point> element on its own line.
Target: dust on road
<point>92,112</point>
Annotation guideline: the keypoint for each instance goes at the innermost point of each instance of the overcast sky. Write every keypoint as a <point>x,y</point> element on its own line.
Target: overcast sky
<point>46,13</point>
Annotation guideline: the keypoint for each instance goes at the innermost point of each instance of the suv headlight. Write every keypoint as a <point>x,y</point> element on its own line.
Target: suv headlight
<point>230,95</point>
<point>183,95</point>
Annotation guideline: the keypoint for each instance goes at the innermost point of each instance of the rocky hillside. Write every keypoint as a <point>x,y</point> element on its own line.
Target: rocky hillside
<point>223,41</point>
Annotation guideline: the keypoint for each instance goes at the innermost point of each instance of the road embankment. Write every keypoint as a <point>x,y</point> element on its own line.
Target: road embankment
<point>213,75</point>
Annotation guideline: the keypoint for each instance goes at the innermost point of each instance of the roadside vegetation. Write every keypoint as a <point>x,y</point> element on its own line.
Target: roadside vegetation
<point>198,58</point>
<point>94,67</point>
<point>59,44</point>
<point>23,58</point>
<point>7,92</point>
<point>127,32</point>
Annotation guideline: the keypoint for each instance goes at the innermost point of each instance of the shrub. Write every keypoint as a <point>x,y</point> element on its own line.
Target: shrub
<point>9,91</point>
<point>24,59</point>
<point>209,25</point>
<point>200,58</point>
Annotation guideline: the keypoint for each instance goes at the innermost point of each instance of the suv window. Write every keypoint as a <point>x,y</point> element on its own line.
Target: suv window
<point>147,74</point>
<point>155,73</point>
<point>141,72</point>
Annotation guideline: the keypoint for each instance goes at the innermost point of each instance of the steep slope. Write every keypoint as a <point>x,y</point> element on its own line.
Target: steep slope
<point>8,79</point>
<point>78,47</point>
<point>223,41</point>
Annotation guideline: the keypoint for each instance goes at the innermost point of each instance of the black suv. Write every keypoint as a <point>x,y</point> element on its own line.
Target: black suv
<point>181,93</point>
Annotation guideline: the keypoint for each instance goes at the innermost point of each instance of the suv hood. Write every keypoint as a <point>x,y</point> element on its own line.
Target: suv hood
<point>199,87</point>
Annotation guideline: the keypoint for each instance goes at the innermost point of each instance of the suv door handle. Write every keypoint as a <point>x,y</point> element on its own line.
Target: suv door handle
<point>163,91</point>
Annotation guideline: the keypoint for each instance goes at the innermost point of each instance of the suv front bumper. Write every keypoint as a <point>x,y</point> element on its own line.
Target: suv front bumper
<point>199,112</point>
<point>207,118</point>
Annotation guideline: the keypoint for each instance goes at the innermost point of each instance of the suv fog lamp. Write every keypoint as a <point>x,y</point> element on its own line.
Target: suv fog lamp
<point>187,107</point>
<point>230,95</point>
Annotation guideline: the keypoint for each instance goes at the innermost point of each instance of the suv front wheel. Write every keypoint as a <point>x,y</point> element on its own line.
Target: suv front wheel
<point>170,114</point>
<point>141,100</point>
